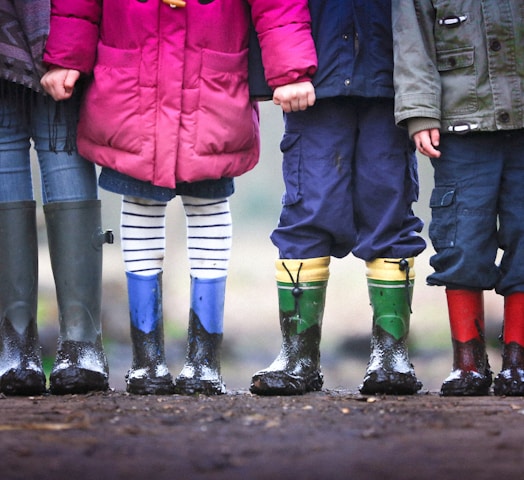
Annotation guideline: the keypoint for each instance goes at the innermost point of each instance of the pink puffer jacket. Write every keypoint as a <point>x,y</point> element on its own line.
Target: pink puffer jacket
<point>169,98</point>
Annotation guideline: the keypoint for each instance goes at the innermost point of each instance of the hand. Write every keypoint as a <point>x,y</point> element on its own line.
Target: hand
<point>60,82</point>
<point>294,96</point>
<point>427,142</point>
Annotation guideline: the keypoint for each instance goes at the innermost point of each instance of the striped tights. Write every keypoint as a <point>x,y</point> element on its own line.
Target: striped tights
<point>209,232</point>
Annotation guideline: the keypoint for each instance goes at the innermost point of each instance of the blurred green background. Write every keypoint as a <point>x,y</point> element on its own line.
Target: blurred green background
<point>252,336</point>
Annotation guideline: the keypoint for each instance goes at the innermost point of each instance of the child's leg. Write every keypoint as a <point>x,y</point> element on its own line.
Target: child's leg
<point>73,221</point>
<point>463,231</point>
<point>21,370</point>
<point>209,231</point>
<point>510,380</point>
<point>143,248</point>
<point>384,188</point>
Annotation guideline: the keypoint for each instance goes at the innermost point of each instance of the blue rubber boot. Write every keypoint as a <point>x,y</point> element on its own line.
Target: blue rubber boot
<point>149,374</point>
<point>201,372</point>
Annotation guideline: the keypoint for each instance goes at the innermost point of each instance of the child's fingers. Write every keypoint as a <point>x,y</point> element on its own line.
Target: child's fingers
<point>70,80</point>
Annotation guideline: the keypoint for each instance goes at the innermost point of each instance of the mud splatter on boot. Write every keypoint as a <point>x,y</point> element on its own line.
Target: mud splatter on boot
<point>390,287</point>
<point>471,375</point>
<point>510,380</point>
<point>149,374</point>
<point>80,367</point>
<point>389,369</point>
<point>296,370</point>
<point>21,370</point>
<point>201,372</point>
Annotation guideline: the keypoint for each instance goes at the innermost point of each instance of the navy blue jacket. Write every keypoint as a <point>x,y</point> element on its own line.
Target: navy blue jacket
<point>354,46</point>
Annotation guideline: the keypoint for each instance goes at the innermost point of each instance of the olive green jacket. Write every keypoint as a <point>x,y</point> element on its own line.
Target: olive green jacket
<point>459,65</point>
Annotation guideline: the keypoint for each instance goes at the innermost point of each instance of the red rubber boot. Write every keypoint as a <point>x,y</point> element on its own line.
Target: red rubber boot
<point>471,374</point>
<point>510,380</point>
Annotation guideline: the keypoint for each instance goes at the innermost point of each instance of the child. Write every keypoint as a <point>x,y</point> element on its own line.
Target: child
<point>350,178</point>
<point>168,113</point>
<point>459,79</point>
<point>72,215</point>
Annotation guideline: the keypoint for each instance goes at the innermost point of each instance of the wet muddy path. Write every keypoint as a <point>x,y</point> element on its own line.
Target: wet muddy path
<point>325,435</point>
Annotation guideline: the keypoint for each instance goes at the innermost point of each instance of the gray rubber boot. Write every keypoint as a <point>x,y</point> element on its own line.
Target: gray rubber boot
<point>20,357</point>
<point>75,246</point>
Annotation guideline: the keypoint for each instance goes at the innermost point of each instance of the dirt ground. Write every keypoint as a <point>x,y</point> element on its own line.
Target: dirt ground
<point>333,434</point>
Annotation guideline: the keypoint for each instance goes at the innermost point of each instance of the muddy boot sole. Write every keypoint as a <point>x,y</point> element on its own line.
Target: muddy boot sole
<point>23,382</point>
<point>150,385</point>
<point>467,384</point>
<point>73,380</point>
<point>282,383</point>
<point>193,386</point>
<point>390,383</point>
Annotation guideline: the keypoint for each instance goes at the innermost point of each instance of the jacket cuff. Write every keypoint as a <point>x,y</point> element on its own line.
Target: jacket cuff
<point>418,124</point>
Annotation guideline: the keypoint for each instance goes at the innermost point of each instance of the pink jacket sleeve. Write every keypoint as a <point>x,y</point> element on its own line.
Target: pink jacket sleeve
<point>284,32</point>
<point>73,34</point>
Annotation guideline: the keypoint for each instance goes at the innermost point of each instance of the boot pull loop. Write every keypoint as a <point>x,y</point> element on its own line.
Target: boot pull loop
<point>403,266</point>
<point>297,291</point>
<point>103,236</point>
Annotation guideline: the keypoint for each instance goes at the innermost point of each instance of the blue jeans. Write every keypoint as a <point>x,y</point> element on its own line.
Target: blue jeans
<point>477,207</point>
<point>351,178</point>
<point>66,176</point>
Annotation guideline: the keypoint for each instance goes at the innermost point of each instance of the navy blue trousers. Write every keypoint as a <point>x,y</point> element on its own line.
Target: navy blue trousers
<point>351,177</point>
<point>478,208</point>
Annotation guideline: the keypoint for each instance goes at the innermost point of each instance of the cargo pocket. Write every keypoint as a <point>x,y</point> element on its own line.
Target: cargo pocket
<point>290,147</point>
<point>459,81</point>
<point>443,226</point>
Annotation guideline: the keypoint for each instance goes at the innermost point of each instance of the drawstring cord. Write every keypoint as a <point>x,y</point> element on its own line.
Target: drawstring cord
<point>297,291</point>
<point>403,266</point>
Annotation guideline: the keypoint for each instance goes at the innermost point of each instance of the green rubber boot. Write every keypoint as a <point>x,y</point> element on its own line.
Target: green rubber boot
<point>389,370</point>
<point>75,247</point>
<point>21,370</point>
<point>302,288</point>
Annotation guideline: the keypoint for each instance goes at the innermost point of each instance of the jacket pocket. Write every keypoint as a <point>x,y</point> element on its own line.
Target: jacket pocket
<point>443,225</point>
<point>459,80</point>
<point>225,113</point>
<point>290,147</point>
<point>112,106</point>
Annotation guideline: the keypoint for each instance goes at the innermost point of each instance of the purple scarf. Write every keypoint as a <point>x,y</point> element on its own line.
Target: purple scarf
<point>24,26</point>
